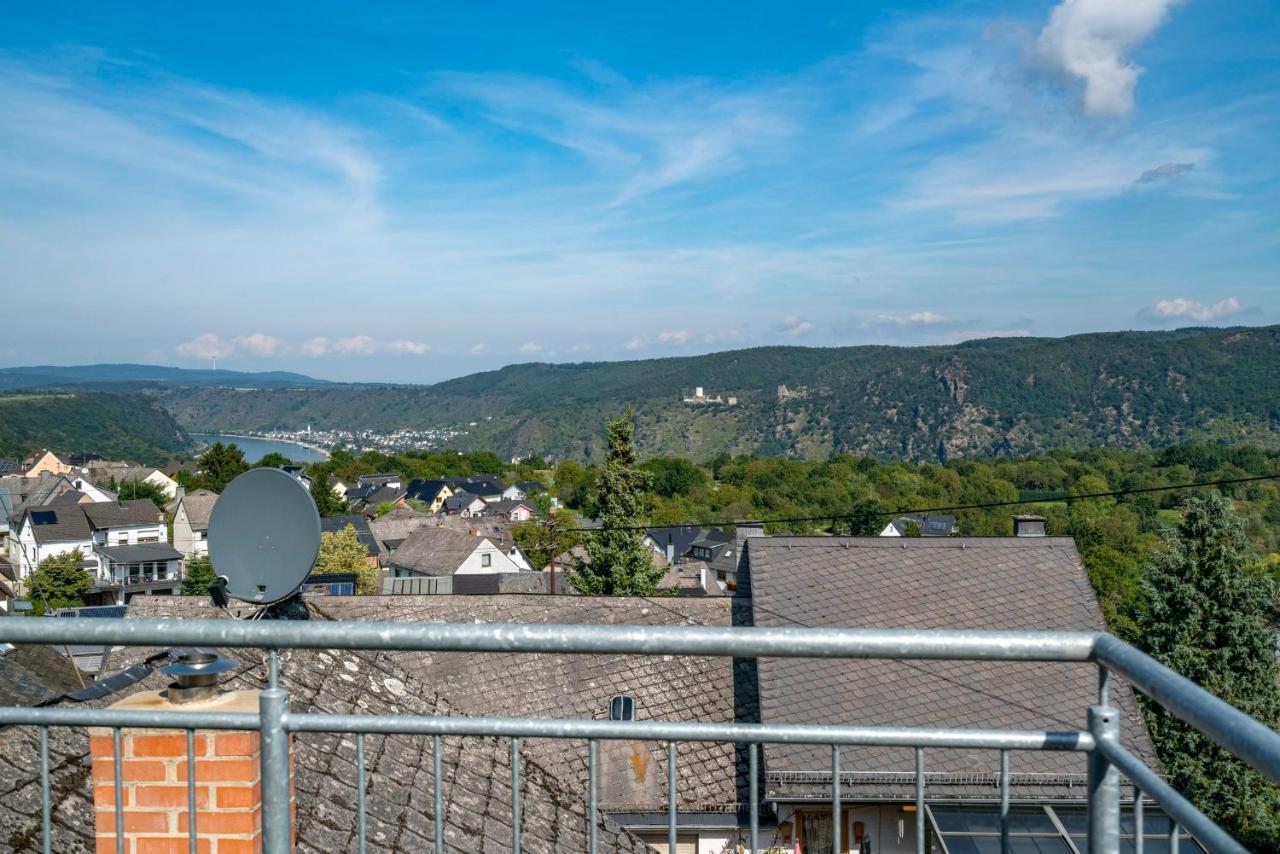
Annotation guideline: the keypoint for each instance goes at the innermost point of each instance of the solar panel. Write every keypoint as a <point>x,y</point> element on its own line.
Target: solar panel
<point>44,517</point>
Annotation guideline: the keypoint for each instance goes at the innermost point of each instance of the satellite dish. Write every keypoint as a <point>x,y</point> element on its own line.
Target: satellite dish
<point>264,535</point>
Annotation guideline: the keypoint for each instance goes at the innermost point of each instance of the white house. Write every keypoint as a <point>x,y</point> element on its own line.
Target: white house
<point>440,551</point>
<point>92,491</point>
<point>126,523</point>
<point>512,511</point>
<point>155,477</point>
<point>465,504</point>
<point>191,521</point>
<point>147,569</point>
<point>43,532</point>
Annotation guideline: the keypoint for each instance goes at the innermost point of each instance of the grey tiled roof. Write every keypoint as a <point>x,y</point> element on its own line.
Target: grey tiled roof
<point>110,514</point>
<point>398,525</point>
<point>34,675</point>
<point>435,551</point>
<point>58,524</point>
<point>959,583</point>
<point>199,506</point>
<point>400,785</point>
<point>141,552</point>
<point>678,688</point>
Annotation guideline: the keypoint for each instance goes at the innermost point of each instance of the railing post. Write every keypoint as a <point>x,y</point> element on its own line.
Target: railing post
<point>277,822</point>
<point>1104,784</point>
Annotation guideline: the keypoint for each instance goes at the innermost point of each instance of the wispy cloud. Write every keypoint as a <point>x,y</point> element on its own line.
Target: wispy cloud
<point>644,138</point>
<point>794,326</point>
<point>674,336</point>
<point>1164,172</point>
<point>530,347</point>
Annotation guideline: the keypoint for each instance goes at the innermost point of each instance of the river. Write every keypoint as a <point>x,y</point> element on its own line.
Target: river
<point>256,449</point>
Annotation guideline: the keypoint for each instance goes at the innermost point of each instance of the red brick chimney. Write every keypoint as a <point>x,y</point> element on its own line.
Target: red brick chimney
<point>154,771</point>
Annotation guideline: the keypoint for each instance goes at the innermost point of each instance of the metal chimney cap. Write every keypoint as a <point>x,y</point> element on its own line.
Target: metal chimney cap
<point>197,662</point>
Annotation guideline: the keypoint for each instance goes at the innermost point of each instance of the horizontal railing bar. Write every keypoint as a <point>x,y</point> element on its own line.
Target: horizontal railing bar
<point>127,718</point>
<point>705,732</point>
<point>1179,808</point>
<point>1241,735</point>
<point>740,642</point>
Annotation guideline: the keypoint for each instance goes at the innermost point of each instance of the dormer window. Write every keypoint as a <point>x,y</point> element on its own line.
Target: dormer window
<point>622,708</point>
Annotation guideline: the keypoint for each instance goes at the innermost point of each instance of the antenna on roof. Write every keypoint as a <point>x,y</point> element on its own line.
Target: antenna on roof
<point>264,535</point>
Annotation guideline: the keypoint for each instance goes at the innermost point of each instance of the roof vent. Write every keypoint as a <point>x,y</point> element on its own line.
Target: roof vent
<point>196,672</point>
<point>1028,526</point>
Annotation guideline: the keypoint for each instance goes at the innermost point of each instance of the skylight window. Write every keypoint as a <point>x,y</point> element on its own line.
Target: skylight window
<point>622,708</point>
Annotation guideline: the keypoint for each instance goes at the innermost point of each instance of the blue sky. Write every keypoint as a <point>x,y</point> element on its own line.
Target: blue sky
<point>395,192</point>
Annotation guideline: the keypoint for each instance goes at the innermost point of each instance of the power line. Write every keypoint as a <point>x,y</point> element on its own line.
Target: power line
<point>843,517</point>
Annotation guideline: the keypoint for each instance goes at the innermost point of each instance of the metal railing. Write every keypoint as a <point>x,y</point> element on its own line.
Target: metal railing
<point>1105,758</point>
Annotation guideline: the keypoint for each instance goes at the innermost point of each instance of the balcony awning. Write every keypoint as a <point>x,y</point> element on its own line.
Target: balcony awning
<point>141,553</point>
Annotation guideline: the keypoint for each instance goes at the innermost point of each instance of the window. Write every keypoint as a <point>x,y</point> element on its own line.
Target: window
<point>622,707</point>
<point>148,539</point>
<point>486,559</point>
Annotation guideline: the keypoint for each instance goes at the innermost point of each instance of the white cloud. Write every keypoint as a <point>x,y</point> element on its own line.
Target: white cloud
<point>477,349</point>
<point>259,344</point>
<point>206,346</point>
<point>402,345</point>
<point>356,345</point>
<point>530,347</point>
<point>674,336</point>
<point>315,347</point>
<point>637,342</point>
<point>1088,41</point>
<point>1181,308</point>
<point>916,318</point>
<point>794,326</point>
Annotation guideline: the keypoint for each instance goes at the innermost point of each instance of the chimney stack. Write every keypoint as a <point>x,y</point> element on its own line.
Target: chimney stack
<point>1028,526</point>
<point>154,766</point>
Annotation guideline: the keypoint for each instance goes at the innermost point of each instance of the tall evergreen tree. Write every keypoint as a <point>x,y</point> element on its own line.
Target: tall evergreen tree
<point>618,562</point>
<point>220,465</point>
<point>1207,619</point>
<point>198,575</point>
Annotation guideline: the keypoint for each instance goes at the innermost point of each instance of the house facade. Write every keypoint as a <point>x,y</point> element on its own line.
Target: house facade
<point>441,551</point>
<point>191,522</point>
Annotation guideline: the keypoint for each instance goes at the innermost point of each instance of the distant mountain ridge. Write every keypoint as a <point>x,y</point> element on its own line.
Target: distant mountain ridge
<point>51,376</point>
<point>984,397</point>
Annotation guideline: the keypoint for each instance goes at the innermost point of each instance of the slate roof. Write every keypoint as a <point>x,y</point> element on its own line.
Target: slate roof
<point>482,486</point>
<point>400,786</point>
<point>58,524</point>
<point>460,500</point>
<point>112,514</point>
<point>141,553</point>
<point>528,487</point>
<point>427,490</point>
<point>506,506</point>
<point>384,494</point>
<point>959,583</point>
<point>435,551</point>
<point>35,675</point>
<point>681,537</point>
<point>199,506</point>
<point>8,466</point>
<point>358,521</point>
<point>398,525</point>
<point>676,688</point>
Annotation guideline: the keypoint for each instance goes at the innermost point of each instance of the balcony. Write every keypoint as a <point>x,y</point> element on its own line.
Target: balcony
<point>405,728</point>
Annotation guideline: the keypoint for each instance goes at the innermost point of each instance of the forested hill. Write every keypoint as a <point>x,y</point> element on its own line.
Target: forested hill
<point>116,426</point>
<point>98,376</point>
<point>994,396</point>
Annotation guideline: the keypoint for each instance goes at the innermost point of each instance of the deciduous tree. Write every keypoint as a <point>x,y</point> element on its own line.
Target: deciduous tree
<point>59,582</point>
<point>342,552</point>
